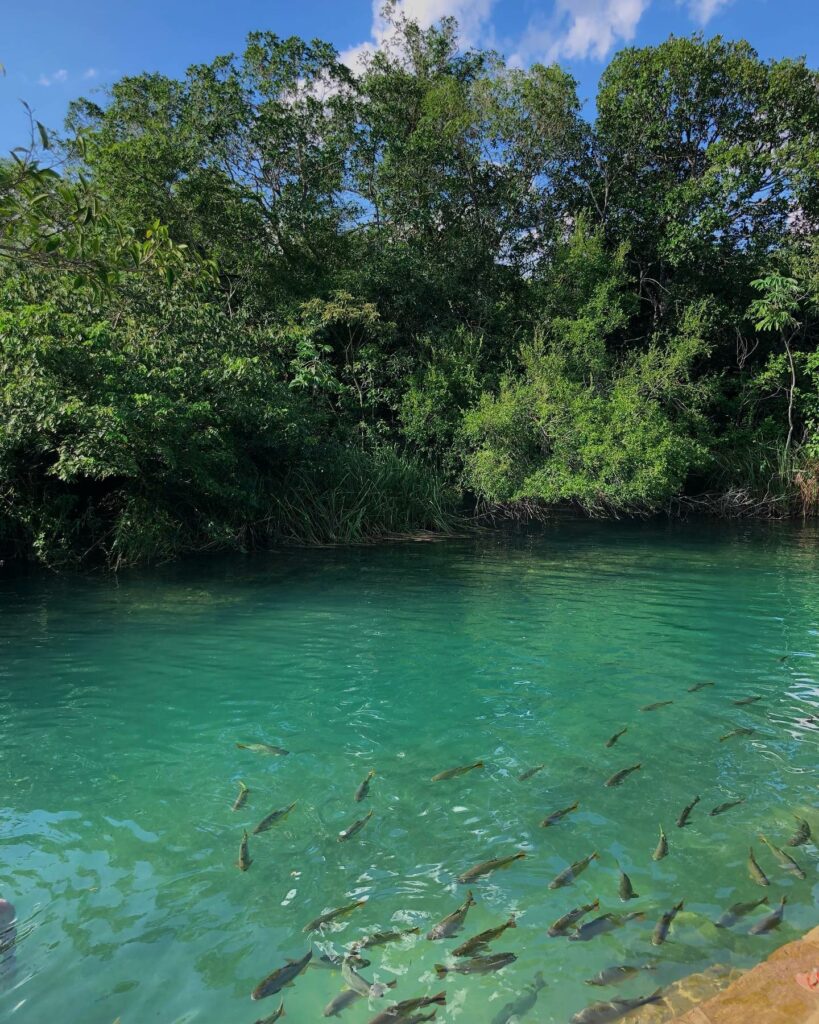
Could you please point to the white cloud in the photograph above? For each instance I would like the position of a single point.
(580, 29)
(472, 17)
(702, 11)
(575, 29)
(90, 73)
(57, 76)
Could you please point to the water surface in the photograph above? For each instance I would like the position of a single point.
(121, 701)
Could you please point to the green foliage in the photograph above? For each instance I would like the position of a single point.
(277, 299)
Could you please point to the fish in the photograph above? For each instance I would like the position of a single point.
(263, 748)
(604, 923)
(722, 808)
(606, 1012)
(338, 1004)
(530, 772)
(382, 938)
(785, 859)
(241, 799)
(482, 940)
(738, 910)
(333, 961)
(453, 773)
(626, 889)
(567, 876)
(662, 926)
(802, 833)
(613, 739)
(477, 965)
(784, 657)
(699, 686)
(555, 816)
(244, 861)
(364, 788)
(332, 915)
(618, 777)
(271, 819)
(486, 867)
(364, 988)
(356, 826)
(662, 847)
(274, 1016)
(519, 1007)
(402, 1010)
(615, 975)
(453, 922)
(685, 813)
(745, 700)
(755, 871)
(563, 924)
(656, 705)
(770, 921)
(736, 732)
(282, 976)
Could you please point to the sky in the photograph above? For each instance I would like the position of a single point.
(56, 50)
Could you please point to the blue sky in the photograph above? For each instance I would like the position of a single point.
(54, 50)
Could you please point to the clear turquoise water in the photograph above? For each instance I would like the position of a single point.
(121, 702)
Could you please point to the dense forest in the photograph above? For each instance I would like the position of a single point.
(280, 300)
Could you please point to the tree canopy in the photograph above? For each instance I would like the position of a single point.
(283, 299)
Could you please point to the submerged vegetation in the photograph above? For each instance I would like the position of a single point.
(284, 300)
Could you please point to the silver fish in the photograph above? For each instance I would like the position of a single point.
(568, 875)
(785, 859)
(281, 976)
(364, 788)
(244, 861)
(338, 1004)
(555, 816)
(274, 1016)
(402, 1010)
(241, 799)
(770, 921)
(613, 739)
(722, 808)
(453, 922)
(685, 813)
(332, 915)
(662, 847)
(481, 941)
(478, 964)
(605, 1013)
(563, 924)
(519, 1007)
(263, 748)
(270, 820)
(620, 776)
(486, 867)
(738, 910)
(453, 773)
(356, 826)
(802, 833)
(616, 975)
(603, 924)
(663, 925)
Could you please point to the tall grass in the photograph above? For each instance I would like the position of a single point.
(356, 496)
(760, 482)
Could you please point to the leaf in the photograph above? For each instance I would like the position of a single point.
(45, 142)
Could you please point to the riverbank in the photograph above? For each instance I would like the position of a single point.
(767, 994)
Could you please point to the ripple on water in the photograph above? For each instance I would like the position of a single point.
(121, 704)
